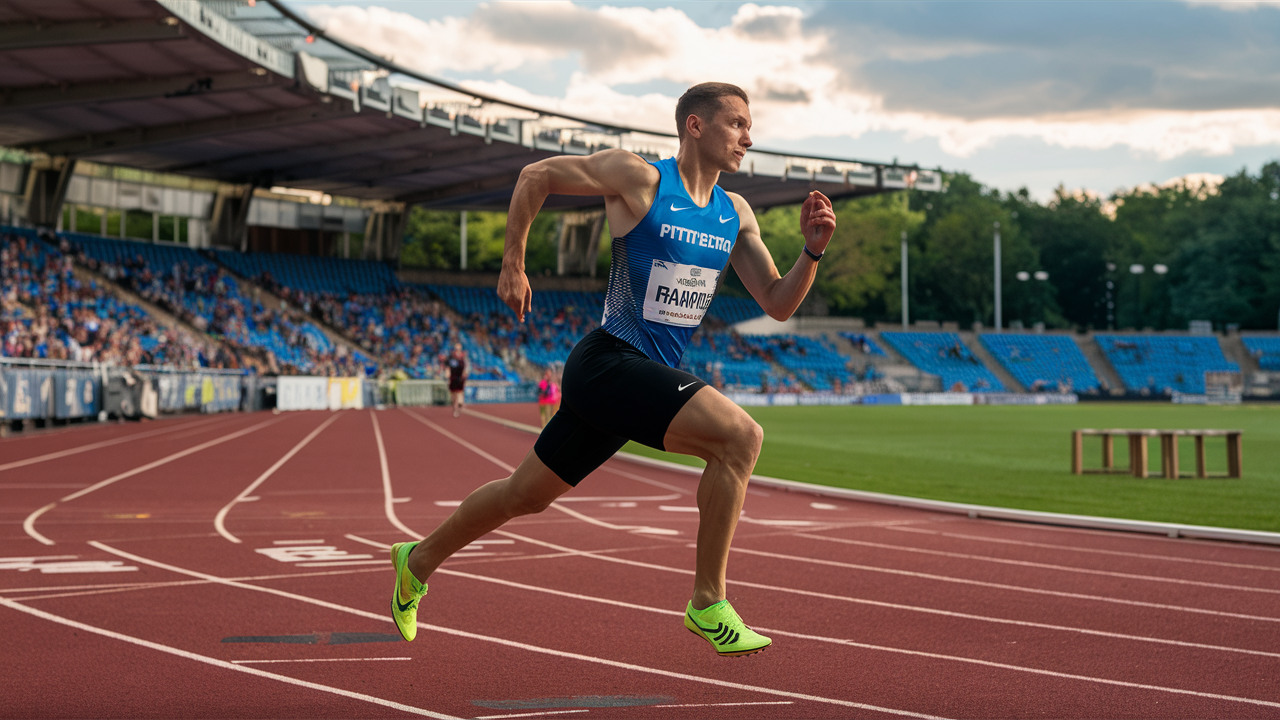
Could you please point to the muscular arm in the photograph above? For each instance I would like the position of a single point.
(627, 183)
(779, 295)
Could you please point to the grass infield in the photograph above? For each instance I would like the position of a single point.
(1020, 457)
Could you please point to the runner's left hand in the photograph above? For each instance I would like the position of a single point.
(817, 222)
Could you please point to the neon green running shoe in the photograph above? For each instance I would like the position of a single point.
(721, 626)
(408, 591)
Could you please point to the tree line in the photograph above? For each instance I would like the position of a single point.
(1218, 248)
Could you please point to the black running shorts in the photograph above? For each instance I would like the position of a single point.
(612, 393)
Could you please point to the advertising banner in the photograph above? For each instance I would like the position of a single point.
(170, 388)
(192, 391)
(30, 394)
(220, 393)
(4, 392)
(75, 394)
(302, 393)
(345, 393)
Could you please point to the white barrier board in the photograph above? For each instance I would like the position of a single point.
(302, 393)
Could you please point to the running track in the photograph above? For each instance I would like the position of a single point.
(234, 566)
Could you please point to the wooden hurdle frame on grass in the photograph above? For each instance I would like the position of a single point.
(1138, 462)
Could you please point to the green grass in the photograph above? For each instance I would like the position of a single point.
(1019, 457)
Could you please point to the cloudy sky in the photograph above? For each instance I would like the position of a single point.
(1091, 95)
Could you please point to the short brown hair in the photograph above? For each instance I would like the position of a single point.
(703, 100)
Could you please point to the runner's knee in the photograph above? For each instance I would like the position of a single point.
(520, 501)
(740, 440)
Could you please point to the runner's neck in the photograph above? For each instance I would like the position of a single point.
(698, 176)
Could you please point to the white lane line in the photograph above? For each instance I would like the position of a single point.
(343, 563)
(1099, 551)
(590, 499)
(297, 542)
(219, 520)
(311, 660)
(67, 590)
(529, 714)
(388, 499)
(733, 704)
(1003, 586)
(625, 457)
(29, 524)
(221, 663)
(635, 529)
(460, 441)
(1042, 566)
(94, 446)
(650, 481)
(506, 643)
(858, 601)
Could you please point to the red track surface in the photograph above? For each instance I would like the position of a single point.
(875, 610)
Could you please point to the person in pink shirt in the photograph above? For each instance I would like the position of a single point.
(548, 396)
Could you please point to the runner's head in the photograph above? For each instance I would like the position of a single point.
(457, 350)
(716, 118)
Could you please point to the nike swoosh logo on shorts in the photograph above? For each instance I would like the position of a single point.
(682, 387)
(725, 220)
(676, 209)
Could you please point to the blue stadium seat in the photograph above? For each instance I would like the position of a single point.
(731, 310)
(1164, 363)
(943, 354)
(864, 341)
(1266, 350)
(1042, 362)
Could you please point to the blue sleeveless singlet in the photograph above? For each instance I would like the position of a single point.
(665, 271)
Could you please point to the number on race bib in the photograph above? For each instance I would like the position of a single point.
(679, 294)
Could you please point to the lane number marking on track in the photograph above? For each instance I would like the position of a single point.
(287, 552)
(63, 564)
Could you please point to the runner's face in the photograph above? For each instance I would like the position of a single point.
(728, 135)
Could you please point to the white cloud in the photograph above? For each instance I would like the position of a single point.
(1236, 5)
(797, 93)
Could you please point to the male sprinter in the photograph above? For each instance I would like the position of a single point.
(674, 230)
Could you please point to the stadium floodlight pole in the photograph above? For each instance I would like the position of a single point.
(904, 281)
(462, 241)
(999, 324)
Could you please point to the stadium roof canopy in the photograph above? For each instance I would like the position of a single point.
(247, 92)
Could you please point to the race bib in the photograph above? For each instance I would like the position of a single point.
(679, 294)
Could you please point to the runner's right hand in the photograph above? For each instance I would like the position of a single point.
(513, 288)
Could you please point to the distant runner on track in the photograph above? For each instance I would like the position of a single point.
(675, 230)
(455, 366)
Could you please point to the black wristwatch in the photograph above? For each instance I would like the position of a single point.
(811, 254)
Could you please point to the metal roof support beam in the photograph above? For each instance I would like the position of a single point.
(38, 97)
(315, 155)
(461, 189)
(21, 36)
(138, 138)
(429, 162)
